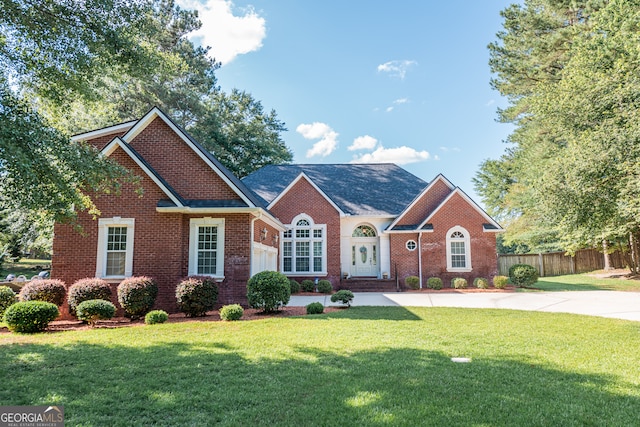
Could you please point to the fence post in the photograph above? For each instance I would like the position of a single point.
(541, 262)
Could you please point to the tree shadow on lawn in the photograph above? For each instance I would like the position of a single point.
(207, 383)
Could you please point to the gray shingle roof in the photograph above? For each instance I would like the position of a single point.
(357, 189)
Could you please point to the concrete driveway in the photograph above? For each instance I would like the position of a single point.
(618, 305)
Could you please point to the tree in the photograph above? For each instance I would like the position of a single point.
(240, 134)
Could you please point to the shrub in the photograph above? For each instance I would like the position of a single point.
(136, 295)
(196, 295)
(480, 283)
(325, 287)
(85, 290)
(434, 283)
(459, 283)
(231, 312)
(345, 296)
(523, 275)
(268, 291)
(30, 316)
(92, 310)
(295, 286)
(500, 282)
(308, 285)
(156, 316)
(7, 298)
(51, 290)
(412, 281)
(315, 308)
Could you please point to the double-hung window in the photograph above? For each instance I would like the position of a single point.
(304, 248)
(206, 247)
(115, 247)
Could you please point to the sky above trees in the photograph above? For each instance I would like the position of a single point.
(367, 81)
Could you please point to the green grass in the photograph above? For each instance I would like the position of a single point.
(585, 282)
(372, 366)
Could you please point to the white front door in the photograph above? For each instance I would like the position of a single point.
(366, 258)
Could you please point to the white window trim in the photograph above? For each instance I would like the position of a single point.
(194, 224)
(415, 245)
(467, 250)
(312, 226)
(101, 258)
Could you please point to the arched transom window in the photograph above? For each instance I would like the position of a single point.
(458, 250)
(304, 248)
(364, 231)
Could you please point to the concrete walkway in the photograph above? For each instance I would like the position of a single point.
(618, 305)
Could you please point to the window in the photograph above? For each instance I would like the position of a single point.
(206, 247)
(115, 247)
(458, 250)
(364, 231)
(304, 247)
(411, 245)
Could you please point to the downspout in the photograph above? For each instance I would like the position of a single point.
(420, 258)
(253, 226)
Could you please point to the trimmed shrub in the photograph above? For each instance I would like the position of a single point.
(308, 285)
(295, 286)
(325, 287)
(522, 275)
(268, 291)
(156, 316)
(434, 283)
(7, 298)
(50, 290)
(196, 295)
(231, 312)
(500, 282)
(30, 316)
(137, 295)
(412, 281)
(481, 283)
(85, 290)
(92, 310)
(345, 296)
(315, 308)
(459, 283)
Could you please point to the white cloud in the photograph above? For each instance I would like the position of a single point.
(389, 109)
(363, 143)
(227, 34)
(396, 68)
(401, 101)
(316, 130)
(490, 102)
(447, 149)
(400, 155)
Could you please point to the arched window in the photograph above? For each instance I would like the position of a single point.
(458, 250)
(364, 231)
(304, 247)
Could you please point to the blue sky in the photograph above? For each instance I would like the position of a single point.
(367, 81)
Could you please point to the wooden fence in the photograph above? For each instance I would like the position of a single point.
(557, 263)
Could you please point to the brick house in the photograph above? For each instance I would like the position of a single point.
(189, 215)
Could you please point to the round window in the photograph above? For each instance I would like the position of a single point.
(411, 245)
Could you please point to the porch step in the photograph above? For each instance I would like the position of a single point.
(369, 285)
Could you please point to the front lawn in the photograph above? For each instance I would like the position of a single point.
(585, 282)
(361, 366)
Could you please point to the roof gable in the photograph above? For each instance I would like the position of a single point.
(382, 189)
(148, 170)
(293, 183)
(424, 203)
(490, 225)
(211, 164)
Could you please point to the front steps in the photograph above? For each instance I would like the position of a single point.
(369, 284)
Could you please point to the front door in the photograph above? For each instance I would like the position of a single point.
(366, 259)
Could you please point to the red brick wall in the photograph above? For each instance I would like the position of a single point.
(179, 165)
(100, 142)
(304, 198)
(403, 261)
(160, 242)
(484, 259)
(426, 204)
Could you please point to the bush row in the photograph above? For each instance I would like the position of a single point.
(499, 282)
